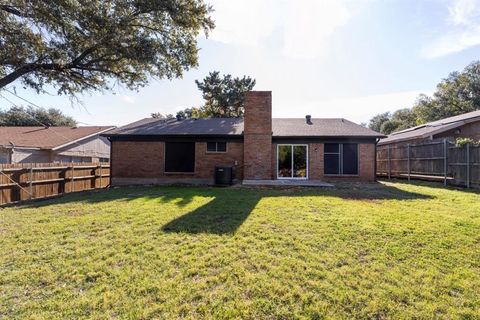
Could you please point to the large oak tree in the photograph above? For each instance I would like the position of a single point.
(90, 45)
(457, 94)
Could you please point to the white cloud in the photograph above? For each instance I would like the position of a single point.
(463, 24)
(309, 26)
(462, 12)
(357, 109)
(305, 26)
(128, 99)
(243, 22)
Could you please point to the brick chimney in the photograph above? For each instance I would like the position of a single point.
(257, 135)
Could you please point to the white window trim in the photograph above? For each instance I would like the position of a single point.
(293, 178)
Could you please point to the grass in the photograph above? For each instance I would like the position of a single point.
(381, 251)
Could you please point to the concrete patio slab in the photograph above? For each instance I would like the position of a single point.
(287, 182)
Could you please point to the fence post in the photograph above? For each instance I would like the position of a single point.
(30, 182)
(72, 188)
(445, 161)
(1, 193)
(101, 181)
(468, 165)
(389, 163)
(408, 161)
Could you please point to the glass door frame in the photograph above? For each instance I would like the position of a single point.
(292, 145)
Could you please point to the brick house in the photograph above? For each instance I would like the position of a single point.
(466, 125)
(156, 151)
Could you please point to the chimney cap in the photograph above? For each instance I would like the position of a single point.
(308, 119)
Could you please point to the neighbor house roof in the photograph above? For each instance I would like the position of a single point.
(47, 138)
(432, 128)
(234, 126)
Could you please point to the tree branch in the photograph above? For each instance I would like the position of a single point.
(9, 78)
(10, 9)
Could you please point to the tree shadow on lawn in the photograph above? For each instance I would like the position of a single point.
(227, 208)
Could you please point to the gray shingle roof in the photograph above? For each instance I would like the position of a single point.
(320, 127)
(234, 126)
(432, 128)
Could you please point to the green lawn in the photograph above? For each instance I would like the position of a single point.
(381, 251)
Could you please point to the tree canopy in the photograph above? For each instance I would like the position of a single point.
(224, 96)
(34, 117)
(78, 46)
(158, 115)
(457, 94)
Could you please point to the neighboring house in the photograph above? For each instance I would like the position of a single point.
(156, 151)
(466, 125)
(54, 144)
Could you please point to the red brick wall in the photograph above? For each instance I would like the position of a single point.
(205, 162)
(367, 162)
(137, 159)
(144, 162)
(258, 135)
(315, 163)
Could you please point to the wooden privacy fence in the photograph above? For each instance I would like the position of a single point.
(436, 160)
(25, 181)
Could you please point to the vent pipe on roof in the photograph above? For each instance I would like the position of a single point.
(308, 119)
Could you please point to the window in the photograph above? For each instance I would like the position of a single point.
(216, 147)
(292, 161)
(350, 158)
(180, 157)
(341, 158)
(331, 158)
(104, 159)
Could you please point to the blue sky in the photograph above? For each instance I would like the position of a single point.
(328, 58)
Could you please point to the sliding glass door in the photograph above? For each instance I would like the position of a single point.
(292, 161)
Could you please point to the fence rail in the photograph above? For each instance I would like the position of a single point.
(26, 181)
(438, 161)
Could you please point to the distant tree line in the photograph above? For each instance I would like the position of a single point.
(34, 117)
(458, 93)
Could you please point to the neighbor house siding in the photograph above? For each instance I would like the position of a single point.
(92, 148)
(4, 155)
(470, 130)
(30, 156)
(143, 162)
